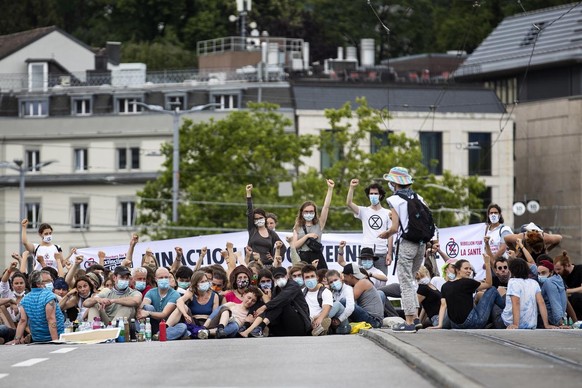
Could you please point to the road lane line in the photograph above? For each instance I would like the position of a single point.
(64, 350)
(2, 375)
(30, 362)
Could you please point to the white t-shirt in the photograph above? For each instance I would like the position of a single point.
(526, 290)
(48, 252)
(373, 223)
(401, 207)
(311, 299)
(496, 238)
(347, 293)
(377, 283)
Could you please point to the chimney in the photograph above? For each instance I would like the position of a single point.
(340, 53)
(367, 52)
(113, 50)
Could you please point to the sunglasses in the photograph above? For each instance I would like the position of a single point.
(500, 268)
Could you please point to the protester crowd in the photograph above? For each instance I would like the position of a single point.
(257, 296)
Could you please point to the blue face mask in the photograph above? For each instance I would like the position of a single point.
(164, 284)
(311, 283)
(374, 199)
(266, 286)
(49, 286)
(542, 279)
(140, 286)
(204, 286)
(367, 264)
(451, 276)
(184, 285)
(299, 281)
(122, 284)
(337, 285)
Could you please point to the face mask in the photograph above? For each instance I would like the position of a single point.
(308, 216)
(140, 286)
(19, 294)
(164, 284)
(424, 281)
(242, 284)
(374, 199)
(49, 286)
(281, 282)
(391, 187)
(260, 222)
(266, 286)
(216, 288)
(337, 285)
(204, 286)
(183, 285)
(494, 218)
(311, 283)
(47, 239)
(299, 281)
(367, 264)
(451, 276)
(542, 279)
(122, 284)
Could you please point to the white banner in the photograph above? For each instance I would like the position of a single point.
(457, 242)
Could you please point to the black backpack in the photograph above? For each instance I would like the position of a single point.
(319, 294)
(421, 226)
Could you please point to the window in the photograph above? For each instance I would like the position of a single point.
(33, 214)
(125, 105)
(81, 159)
(38, 76)
(127, 213)
(379, 140)
(332, 153)
(431, 145)
(128, 158)
(479, 153)
(80, 215)
(81, 106)
(34, 107)
(227, 101)
(176, 101)
(32, 160)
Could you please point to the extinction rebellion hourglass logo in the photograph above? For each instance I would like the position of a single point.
(452, 248)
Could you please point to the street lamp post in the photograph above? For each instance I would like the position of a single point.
(18, 165)
(176, 114)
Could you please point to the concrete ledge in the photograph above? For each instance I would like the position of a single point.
(434, 369)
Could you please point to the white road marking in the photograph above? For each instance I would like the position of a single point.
(64, 350)
(2, 375)
(30, 362)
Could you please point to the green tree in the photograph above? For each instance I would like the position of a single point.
(218, 158)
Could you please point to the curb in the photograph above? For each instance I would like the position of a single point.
(435, 370)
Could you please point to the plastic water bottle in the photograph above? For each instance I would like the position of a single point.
(121, 337)
(68, 326)
(96, 323)
(148, 330)
(162, 333)
(577, 325)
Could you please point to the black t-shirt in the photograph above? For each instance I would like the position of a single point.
(432, 300)
(574, 279)
(459, 297)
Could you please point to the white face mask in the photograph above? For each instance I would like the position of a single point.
(494, 218)
(308, 216)
(281, 282)
(391, 187)
(260, 222)
(47, 239)
(424, 281)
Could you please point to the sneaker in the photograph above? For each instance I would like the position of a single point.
(390, 322)
(418, 324)
(266, 331)
(322, 329)
(257, 333)
(203, 334)
(404, 328)
(220, 333)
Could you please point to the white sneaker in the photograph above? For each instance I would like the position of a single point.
(390, 322)
(203, 334)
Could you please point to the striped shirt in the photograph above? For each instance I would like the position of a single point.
(34, 305)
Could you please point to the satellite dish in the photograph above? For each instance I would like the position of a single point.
(232, 18)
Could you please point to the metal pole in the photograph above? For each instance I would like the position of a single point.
(243, 24)
(22, 172)
(176, 167)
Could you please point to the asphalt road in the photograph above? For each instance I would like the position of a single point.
(378, 358)
(328, 361)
